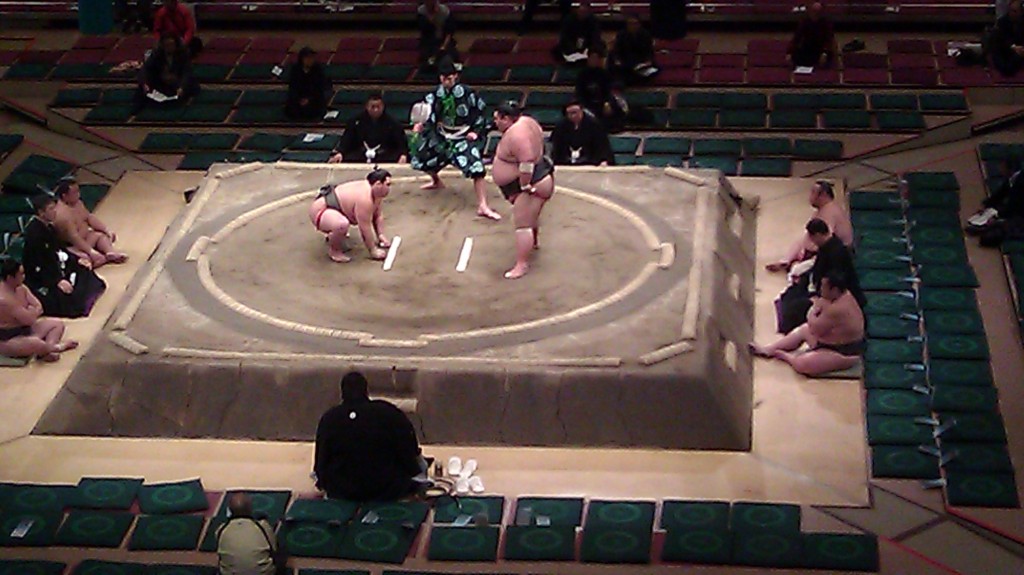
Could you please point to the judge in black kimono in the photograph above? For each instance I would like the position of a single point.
(63, 283)
(373, 137)
(308, 88)
(579, 140)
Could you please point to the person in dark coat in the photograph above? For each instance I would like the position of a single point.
(1007, 41)
(579, 140)
(373, 136)
(580, 35)
(814, 42)
(308, 88)
(167, 74)
(437, 33)
(366, 450)
(632, 57)
(595, 90)
(63, 283)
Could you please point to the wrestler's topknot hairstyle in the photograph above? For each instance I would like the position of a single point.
(826, 186)
(8, 267)
(40, 201)
(817, 227)
(64, 185)
(378, 174)
(510, 109)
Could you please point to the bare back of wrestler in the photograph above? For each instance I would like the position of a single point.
(525, 177)
(357, 203)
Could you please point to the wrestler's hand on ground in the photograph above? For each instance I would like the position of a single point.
(378, 254)
(472, 137)
(335, 159)
(65, 286)
(383, 242)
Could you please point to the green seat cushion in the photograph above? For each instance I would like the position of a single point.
(532, 543)
(33, 497)
(222, 97)
(797, 101)
(897, 430)
(27, 183)
(693, 118)
(484, 74)
(974, 428)
(885, 279)
(253, 72)
(311, 539)
(697, 99)
(843, 101)
(616, 544)
(962, 322)
(660, 160)
(94, 528)
(463, 544)
(767, 147)
(21, 567)
(266, 142)
(948, 276)
(202, 160)
(345, 72)
(894, 101)
(936, 235)
(891, 221)
(160, 114)
(725, 164)
(967, 489)
(214, 141)
(492, 97)
(647, 99)
(875, 201)
(96, 567)
(77, 98)
(541, 99)
(744, 100)
(944, 217)
(894, 351)
(903, 462)
(893, 327)
(993, 152)
(546, 116)
(841, 551)
(707, 545)
(784, 119)
(266, 504)
(898, 121)
(166, 532)
(934, 198)
(46, 165)
(846, 119)
(666, 145)
(27, 72)
(976, 457)
(206, 113)
(626, 160)
(182, 570)
(79, 71)
(959, 372)
(388, 73)
(943, 102)
(96, 493)
(112, 96)
(558, 510)
(882, 259)
(964, 398)
(308, 156)
(717, 147)
(682, 515)
(165, 142)
(93, 194)
(742, 118)
(380, 542)
(8, 142)
(766, 549)
(397, 512)
(768, 167)
(354, 97)
(903, 402)
(210, 72)
(620, 513)
(765, 517)
(175, 497)
(818, 149)
(890, 239)
(263, 98)
(957, 346)
(447, 511)
(947, 299)
(13, 223)
(327, 142)
(531, 74)
(259, 115)
(41, 532)
(879, 375)
(624, 144)
(932, 180)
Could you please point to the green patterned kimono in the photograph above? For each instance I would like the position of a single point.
(442, 142)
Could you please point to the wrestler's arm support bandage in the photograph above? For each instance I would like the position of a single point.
(526, 169)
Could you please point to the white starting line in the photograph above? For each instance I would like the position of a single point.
(467, 249)
(392, 253)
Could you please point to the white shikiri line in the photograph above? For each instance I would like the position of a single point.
(392, 253)
(467, 249)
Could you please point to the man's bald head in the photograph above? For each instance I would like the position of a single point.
(240, 505)
(814, 9)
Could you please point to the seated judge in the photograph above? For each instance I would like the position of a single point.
(579, 140)
(373, 136)
(64, 283)
(308, 88)
(814, 42)
(167, 75)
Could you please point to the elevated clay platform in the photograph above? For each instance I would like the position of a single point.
(627, 331)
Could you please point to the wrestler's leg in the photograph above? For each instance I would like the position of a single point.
(788, 342)
(105, 246)
(27, 346)
(335, 225)
(430, 159)
(543, 189)
(49, 331)
(818, 361)
(525, 212)
(483, 209)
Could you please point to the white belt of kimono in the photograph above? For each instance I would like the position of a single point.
(453, 133)
(371, 153)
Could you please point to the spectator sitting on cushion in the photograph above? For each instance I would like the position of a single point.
(308, 88)
(167, 75)
(814, 42)
(579, 36)
(245, 544)
(632, 57)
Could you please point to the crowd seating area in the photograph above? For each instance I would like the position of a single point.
(991, 157)
(508, 60)
(932, 409)
(127, 514)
